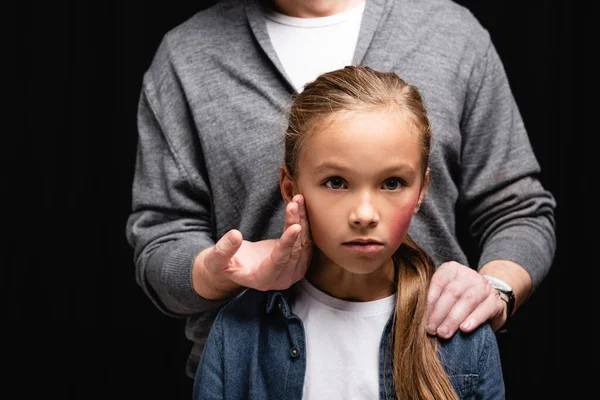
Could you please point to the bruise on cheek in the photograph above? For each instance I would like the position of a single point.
(401, 221)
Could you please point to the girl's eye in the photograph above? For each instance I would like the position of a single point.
(335, 183)
(392, 184)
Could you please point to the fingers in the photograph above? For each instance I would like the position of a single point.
(492, 309)
(283, 264)
(454, 304)
(274, 265)
(441, 278)
(459, 298)
(304, 242)
(302, 215)
(291, 216)
(224, 250)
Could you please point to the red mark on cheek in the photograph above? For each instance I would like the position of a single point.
(400, 223)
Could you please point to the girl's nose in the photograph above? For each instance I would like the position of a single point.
(365, 213)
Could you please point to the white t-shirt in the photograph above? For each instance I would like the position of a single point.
(308, 47)
(342, 343)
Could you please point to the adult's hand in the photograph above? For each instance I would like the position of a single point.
(234, 263)
(461, 298)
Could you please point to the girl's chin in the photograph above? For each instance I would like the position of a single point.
(362, 261)
(364, 266)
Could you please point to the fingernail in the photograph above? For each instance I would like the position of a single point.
(443, 330)
(231, 239)
(431, 328)
(467, 325)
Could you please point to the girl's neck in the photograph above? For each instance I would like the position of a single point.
(313, 8)
(338, 282)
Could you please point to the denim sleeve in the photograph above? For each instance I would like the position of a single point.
(491, 381)
(208, 382)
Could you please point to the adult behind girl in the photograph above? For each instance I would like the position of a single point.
(357, 149)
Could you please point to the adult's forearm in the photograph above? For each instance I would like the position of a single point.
(165, 275)
(529, 243)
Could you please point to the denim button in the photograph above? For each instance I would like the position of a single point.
(295, 352)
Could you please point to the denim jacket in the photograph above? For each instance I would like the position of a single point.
(256, 350)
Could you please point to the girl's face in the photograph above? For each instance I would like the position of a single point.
(361, 180)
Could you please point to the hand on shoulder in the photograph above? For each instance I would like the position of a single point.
(461, 298)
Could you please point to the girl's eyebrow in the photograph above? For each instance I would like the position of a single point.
(400, 167)
(404, 168)
(328, 165)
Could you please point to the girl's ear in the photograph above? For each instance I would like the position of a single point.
(287, 185)
(423, 189)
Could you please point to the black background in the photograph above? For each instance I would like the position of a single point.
(77, 326)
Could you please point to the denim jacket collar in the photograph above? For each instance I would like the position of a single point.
(277, 300)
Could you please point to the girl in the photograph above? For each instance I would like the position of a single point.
(356, 152)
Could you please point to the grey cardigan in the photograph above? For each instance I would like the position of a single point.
(211, 118)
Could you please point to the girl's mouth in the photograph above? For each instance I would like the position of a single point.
(363, 247)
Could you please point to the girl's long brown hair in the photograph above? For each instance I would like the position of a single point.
(417, 371)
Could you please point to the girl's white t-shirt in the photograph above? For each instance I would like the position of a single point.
(308, 47)
(343, 341)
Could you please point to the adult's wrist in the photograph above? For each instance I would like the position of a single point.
(514, 275)
(506, 294)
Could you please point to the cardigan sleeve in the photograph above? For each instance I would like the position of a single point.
(508, 211)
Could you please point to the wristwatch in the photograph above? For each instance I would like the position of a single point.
(506, 293)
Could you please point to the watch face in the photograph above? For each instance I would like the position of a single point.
(498, 283)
